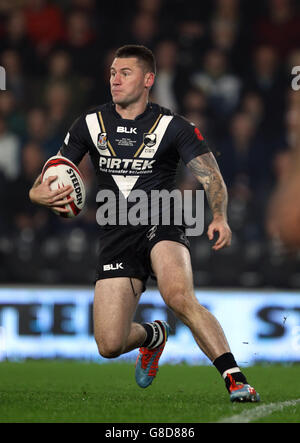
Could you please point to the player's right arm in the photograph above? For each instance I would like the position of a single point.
(74, 148)
(41, 194)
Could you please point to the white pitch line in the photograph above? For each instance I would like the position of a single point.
(259, 412)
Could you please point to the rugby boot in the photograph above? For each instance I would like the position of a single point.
(146, 366)
(240, 392)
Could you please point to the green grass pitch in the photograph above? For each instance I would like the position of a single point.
(80, 392)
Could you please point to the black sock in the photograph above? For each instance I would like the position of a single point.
(155, 335)
(149, 332)
(226, 364)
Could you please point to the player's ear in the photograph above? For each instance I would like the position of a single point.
(149, 79)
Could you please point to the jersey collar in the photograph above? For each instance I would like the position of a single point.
(138, 117)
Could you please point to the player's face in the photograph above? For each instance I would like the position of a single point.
(128, 81)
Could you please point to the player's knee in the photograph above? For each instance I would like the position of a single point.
(109, 349)
(109, 352)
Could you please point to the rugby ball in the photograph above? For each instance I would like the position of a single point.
(67, 174)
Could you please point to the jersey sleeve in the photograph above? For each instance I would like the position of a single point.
(76, 142)
(189, 141)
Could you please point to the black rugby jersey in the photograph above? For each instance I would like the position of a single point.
(133, 154)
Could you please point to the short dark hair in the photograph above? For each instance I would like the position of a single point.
(143, 54)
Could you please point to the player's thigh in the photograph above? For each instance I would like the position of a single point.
(171, 263)
(115, 303)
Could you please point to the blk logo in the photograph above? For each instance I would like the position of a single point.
(112, 267)
(125, 130)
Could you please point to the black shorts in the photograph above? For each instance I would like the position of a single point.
(125, 251)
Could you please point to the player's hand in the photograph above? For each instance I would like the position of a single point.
(54, 199)
(220, 226)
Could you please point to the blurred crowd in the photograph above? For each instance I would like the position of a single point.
(223, 64)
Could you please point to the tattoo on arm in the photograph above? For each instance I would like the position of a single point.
(206, 170)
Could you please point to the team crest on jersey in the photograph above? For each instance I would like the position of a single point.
(102, 140)
(149, 140)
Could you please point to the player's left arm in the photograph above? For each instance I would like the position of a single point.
(206, 170)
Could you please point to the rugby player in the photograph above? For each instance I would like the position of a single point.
(116, 135)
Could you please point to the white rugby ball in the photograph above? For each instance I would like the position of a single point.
(67, 174)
